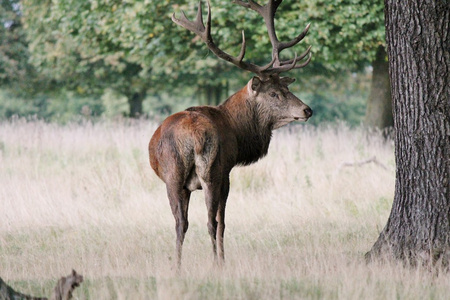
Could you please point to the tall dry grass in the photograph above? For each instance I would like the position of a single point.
(298, 221)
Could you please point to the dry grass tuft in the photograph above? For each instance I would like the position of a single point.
(298, 223)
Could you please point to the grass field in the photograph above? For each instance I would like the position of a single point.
(298, 222)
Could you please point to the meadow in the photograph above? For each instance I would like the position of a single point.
(299, 221)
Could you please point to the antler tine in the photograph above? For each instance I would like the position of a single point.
(296, 40)
(242, 53)
(283, 68)
(304, 64)
(294, 62)
(263, 69)
(250, 4)
(196, 27)
(199, 18)
(208, 23)
(277, 3)
(299, 58)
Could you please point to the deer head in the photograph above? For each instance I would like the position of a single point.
(275, 104)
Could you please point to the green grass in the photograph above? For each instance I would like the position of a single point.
(298, 222)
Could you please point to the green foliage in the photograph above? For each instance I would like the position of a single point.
(62, 107)
(15, 71)
(98, 43)
(114, 104)
(331, 100)
(338, 99)
(135, 43)
(329, 109)
(344, 33)
(120, 48)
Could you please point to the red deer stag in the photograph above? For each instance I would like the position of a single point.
(197, 148)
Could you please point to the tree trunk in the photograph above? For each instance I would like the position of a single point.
(213, 94)
(418, 229)
(135, 100)
(218, 94)
(379, 104)
(208, 94)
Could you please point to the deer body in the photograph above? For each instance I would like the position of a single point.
(197, 148)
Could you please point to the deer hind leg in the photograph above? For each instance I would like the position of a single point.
(209, 173)
(179, 203)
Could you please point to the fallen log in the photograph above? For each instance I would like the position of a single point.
(63, 290)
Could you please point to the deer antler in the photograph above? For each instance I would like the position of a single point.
(267, 11)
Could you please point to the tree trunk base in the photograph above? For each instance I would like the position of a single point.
(434, 258)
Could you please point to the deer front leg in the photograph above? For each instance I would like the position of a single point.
(220, 217)
(179, 203)
(215, 198)
(212, 203)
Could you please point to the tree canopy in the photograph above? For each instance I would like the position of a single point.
(73, 37)
(346, 33)
(134, 48)
(15, 71)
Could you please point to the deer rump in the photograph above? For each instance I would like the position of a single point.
(190, 147)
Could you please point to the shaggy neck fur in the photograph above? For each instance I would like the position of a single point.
(251, 124)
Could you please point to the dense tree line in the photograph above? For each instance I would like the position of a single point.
(133, 48)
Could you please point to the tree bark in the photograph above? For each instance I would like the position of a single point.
(379, 104)
(418, 228)
(135, 100)
(213, 94)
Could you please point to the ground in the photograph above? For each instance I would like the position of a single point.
(299, 222)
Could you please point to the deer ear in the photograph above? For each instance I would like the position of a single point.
(254, 85)
(286, 80)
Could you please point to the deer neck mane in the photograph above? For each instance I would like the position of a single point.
(253, 129)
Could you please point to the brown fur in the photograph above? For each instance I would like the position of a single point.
(197, 148)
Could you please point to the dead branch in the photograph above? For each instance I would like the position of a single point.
(8, 293)
(361, 163)
(62, 291)
(66, 285)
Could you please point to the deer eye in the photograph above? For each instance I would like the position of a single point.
(273, 95)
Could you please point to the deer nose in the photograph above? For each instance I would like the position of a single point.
(308, 112)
